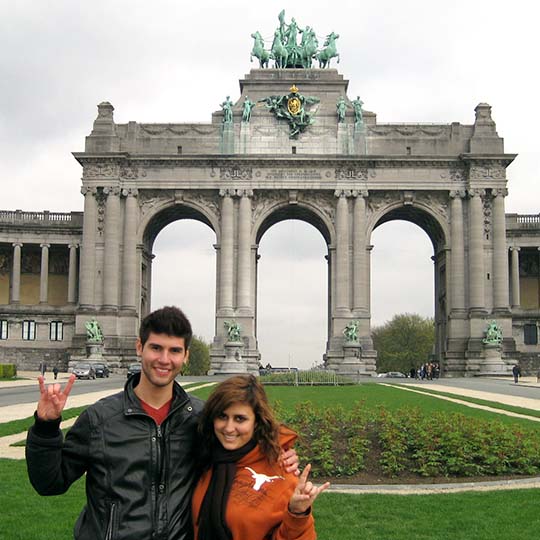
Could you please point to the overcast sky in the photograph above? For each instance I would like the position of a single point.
(175, 61)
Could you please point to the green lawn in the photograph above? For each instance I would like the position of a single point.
(374, 395)
(499, 515)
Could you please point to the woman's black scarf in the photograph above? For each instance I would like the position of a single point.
(212, 524)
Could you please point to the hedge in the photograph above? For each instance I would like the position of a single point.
(8, 371)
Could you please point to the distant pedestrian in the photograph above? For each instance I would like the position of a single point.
(516, 371)
(42, 368)
(413, 373)
(55, 372)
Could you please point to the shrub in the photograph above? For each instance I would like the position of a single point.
(8, 371)
(338, 442)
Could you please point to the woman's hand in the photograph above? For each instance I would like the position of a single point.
(305, 493)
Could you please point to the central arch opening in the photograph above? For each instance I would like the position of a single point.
(184, 273)
(292, 301)
(408, 269)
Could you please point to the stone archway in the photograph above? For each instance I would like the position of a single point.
(429, 213)
(346, 175)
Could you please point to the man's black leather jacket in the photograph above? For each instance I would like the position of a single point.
(139, 476)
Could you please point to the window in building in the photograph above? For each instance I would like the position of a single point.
(3, 329)
(56, 331)
(530, 334)
(29, 330)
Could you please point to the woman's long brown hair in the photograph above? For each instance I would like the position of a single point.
(245, 389)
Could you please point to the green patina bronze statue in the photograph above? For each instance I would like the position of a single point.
(288, 53)
(93, 331)
(341, 107)
(246, 109)
(226, 107)
(351, 331)
(358, 112)
(233, 331)
(292, 108)
(259, 51)
(493, 334)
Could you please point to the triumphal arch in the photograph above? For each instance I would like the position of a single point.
(294, 145)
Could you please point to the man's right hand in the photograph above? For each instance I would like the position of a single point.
(52, 398)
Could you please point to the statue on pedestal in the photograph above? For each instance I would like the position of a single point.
(351, 331)
(493, 334)
(233, 331)
(226, 107)
(93, 331)
(341, 108)
(358, 112)
(246, 110)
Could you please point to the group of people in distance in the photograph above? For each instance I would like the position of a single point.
(428, 370)
(161, 464)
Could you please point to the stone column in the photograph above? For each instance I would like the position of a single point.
(244, 252)
(111, 255)
(476, 251)
(501, 299)
(516, 300)
(360, 302)
(457, 254)
(87, 262)
(72, 274)
(16, 274)
(44, 275)
(226, 252)
(342, 254)
(369, 249)
(129, 261)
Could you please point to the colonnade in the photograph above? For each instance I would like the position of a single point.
(44, 273)
(476, 253)
(117, 232)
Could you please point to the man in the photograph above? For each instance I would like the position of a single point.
(516, 372)
(137, 447)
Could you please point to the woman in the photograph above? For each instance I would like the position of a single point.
(244, 493)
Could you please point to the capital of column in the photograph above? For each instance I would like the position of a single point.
(235, 192)
(476, 192)
(86, 190)
(457, 194)
(130, 192)
(73, 245)
(339, 193)
(44, 245)
(516, 248)
(227, 192)
(499, 192)
(17, 244)
(359, 193)
(111, 190)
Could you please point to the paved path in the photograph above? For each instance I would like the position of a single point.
(474, 405)
(27, 409)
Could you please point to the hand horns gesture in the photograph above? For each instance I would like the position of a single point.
(305, 493)
(52, 398)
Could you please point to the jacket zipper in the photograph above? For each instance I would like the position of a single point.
(110, 526)
(157, 476)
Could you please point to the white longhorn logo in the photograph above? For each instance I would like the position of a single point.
(260, 479)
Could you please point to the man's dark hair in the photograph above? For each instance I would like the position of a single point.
(168, 320)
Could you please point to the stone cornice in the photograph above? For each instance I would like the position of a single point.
(131, 161)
